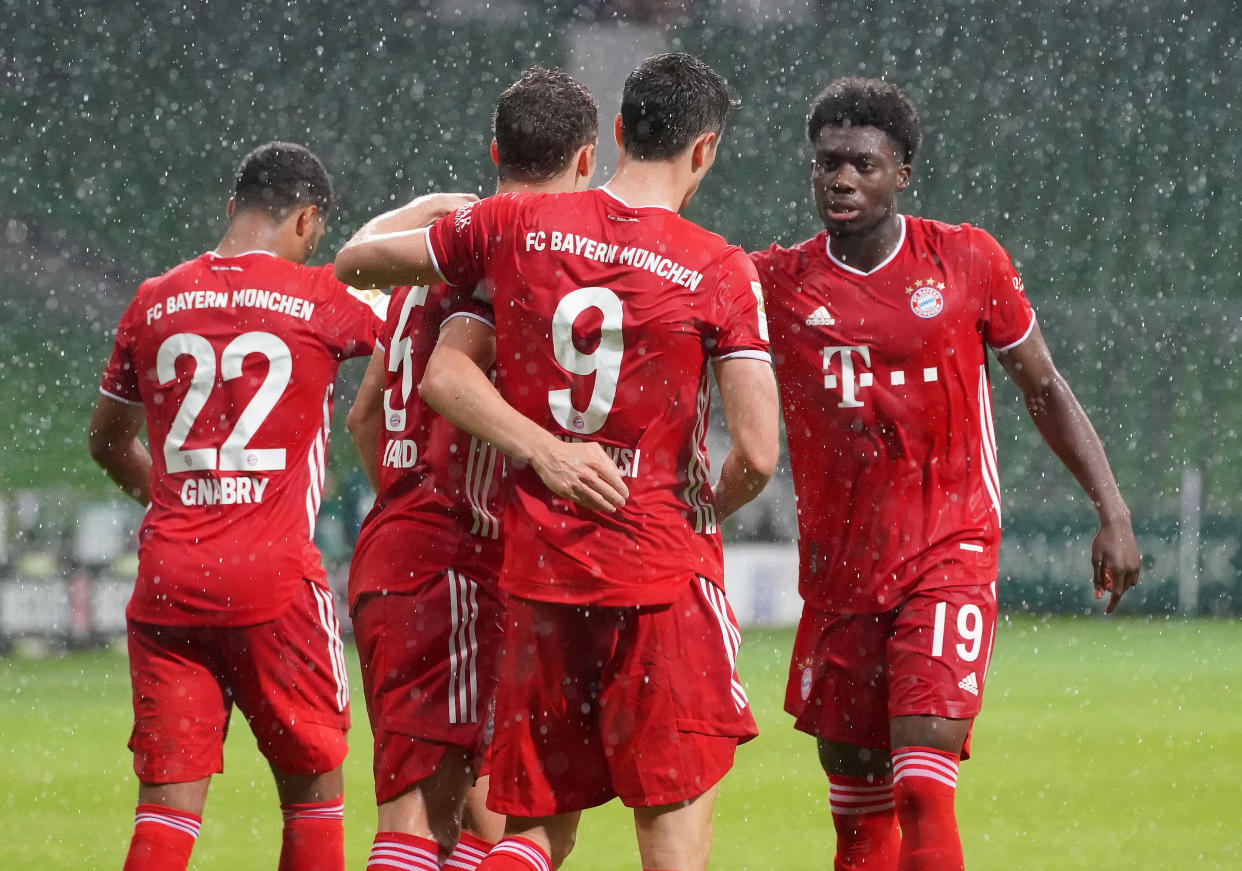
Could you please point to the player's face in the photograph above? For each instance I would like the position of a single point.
(856, 173)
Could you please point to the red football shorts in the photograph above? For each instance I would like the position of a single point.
(429, 675)
(595, 702)
(287, 676)
(850, 674)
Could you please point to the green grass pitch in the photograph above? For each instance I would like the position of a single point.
(1103, 744)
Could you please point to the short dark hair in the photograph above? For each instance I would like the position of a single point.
(541, 120)
(854, 101)
(668, 101)
(279, 177)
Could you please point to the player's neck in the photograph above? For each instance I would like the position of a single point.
(866, 251)
(253, 232)
(641, 183)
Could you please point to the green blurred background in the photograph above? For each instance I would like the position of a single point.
(1098, 141)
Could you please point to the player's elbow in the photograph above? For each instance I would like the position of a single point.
(356, 420)
(758, 459)
(436, 386)
(102, 447)
(350, 267)
(761, 464)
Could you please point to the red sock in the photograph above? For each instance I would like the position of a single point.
(516, 854)
(924, 783)
(866, 823)
(314, 836)
(397, 851)
(468, 853)
(163, 838)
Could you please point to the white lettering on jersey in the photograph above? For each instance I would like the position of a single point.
(593, 249)
(848, 384)
(627, 459)
(223, 491)
(401, 454)
(272, 300)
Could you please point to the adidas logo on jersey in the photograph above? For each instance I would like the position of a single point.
(820, 318)
(970, 684)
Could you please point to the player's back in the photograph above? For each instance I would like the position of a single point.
(438, 500)
(234, 360)
(606, 317)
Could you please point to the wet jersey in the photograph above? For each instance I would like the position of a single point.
(437, 505)
(606, 317)
(233, 359)
(887, 403)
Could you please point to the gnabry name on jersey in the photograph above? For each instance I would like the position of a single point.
(591, 249)
(223, 491)
(250, 297)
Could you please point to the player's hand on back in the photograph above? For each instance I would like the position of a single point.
(1115, 561)
(581, 472)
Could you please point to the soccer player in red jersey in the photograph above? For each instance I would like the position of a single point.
(617, 674)
(423, 589)
(230, 359)
(880, 326)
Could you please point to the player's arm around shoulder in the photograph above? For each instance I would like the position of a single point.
(1067, 430)
(391, 249)
(112, 439)
(455, 384)
(749, 398)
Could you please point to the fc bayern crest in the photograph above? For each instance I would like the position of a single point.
(805, 689)
(926, 301)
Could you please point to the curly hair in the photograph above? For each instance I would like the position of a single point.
(279, 177)
(854, 101)
(541, 120)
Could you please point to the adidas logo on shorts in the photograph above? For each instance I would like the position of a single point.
(970, 684)
(820, 318)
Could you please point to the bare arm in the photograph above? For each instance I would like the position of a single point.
(456, 386)
(114, 445)
(391, 249)
(366, 418)
(748, 391)
(1066, 429)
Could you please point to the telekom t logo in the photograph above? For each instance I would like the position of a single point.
(848, 383)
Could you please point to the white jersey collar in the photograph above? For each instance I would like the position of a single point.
(604, 190)
(243, 254)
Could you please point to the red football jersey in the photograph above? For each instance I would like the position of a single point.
(437, 505)
(606, 316)
(234, 361)
(887, 403)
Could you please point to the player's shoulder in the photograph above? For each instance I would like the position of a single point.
(964, 237)
(792, 259)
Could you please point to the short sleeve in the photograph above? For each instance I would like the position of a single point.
(120, 377)
(354, 318)
(763, 261)
(1009, 317)
(467, 302)
(460, 242)
(737, 325)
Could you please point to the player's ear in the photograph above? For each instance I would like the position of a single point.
(495, 149)
(586, 163)
(306, 220)
(228, 210)
(616, 129)
(903, 177)
(703, 152)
